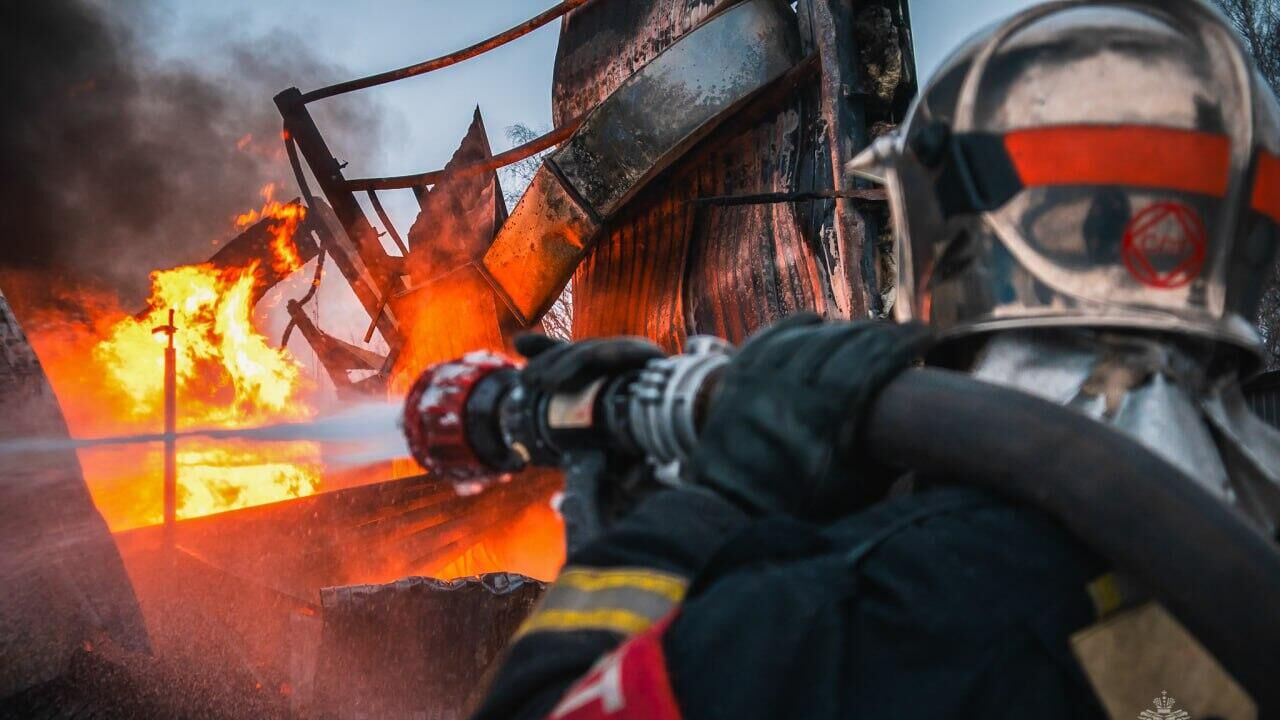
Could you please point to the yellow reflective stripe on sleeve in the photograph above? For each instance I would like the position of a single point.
(670, 587)
(608, 619)
(621, 600)
(1106, 595)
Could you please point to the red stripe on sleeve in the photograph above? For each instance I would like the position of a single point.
(631, 683)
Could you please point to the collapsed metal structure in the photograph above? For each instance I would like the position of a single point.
(461, 202)
(752, 196)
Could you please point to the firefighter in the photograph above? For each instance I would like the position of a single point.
(1083, 196)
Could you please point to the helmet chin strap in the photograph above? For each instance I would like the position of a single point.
(1158, 394)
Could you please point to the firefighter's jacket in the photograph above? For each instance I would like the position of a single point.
(945, 603)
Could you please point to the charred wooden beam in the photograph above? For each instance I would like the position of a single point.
(354, 244)
(364, 534)
(338, 357)
(846, 129)
(254, 246)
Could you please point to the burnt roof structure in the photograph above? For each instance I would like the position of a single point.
(748, 218)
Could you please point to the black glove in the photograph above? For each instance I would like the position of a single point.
(557, 366)
(600, 486)
(784, 430)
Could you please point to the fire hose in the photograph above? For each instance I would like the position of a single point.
(1212, 570)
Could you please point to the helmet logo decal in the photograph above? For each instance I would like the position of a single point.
(1164, 246)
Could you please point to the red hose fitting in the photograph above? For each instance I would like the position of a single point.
(435, 415)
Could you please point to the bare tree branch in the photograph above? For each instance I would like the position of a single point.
(517, 176)
(558, 322)
(1258, 22)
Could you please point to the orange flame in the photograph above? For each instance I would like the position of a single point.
(107, 368)
(221, 357)
(228, 375)
(287, 218)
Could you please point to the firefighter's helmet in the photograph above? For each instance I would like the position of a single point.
(1098, 163)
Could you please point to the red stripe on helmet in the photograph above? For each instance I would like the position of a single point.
(1266, 188)
(1137, 156)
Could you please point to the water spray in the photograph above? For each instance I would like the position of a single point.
(361, 434)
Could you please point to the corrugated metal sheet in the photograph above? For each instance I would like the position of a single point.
(666, 267)
(1264, 397)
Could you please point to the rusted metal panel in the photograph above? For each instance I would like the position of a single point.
(450, 307)
(631, 282)
(604, 43)
(666, 271)
(673, 101)
(418, 647)
(547, 236)
(62, 579)
(669, 269)
(254, 245)
(459, 215)
(450, 316)
(752, 264)
(652, 119)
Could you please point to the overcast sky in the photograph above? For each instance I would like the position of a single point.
(511, 85)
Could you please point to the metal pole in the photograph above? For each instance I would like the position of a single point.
(479, 48)
(170, 433)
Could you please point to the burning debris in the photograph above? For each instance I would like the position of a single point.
(119, 163)
(108, 372)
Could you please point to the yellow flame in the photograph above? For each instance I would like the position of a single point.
(228, 375)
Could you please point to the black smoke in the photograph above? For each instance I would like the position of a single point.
(117, 161)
